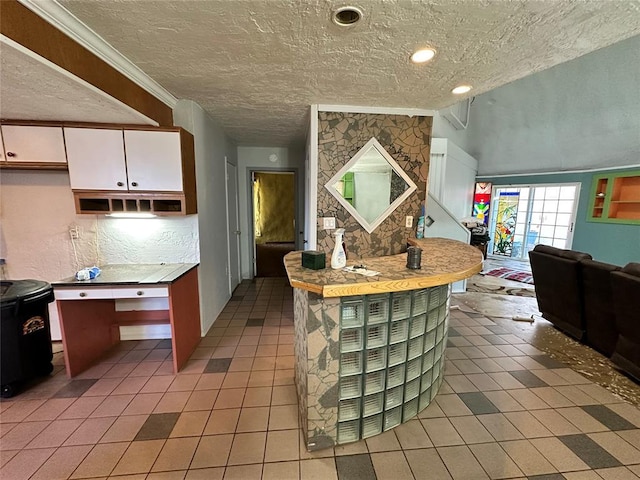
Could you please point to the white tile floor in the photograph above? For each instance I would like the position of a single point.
(505, 410)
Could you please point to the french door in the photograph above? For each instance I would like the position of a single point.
(526, 215)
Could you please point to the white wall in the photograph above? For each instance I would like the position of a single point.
(211, 147)
(256, 158)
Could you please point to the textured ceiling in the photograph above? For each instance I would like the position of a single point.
(33, 90)
(256, 65)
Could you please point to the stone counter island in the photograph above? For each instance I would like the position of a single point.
(369, 350)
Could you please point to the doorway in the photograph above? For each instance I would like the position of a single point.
(273, 195)
(527, 215)
(233, 226)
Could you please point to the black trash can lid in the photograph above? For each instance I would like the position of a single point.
(12, 290)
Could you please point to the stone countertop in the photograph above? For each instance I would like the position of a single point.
(132, 274)
(444, 261)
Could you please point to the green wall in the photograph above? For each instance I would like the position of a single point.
(606, 242)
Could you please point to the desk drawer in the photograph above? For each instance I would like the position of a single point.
(82, 293)
(140, 292)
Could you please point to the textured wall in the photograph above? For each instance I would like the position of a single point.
(340, 136)
(275, 207)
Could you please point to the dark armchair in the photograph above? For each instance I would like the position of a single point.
(557, 275)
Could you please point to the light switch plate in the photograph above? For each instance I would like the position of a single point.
(329, 223)
(408, 221)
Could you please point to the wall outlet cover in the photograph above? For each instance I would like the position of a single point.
(328, 223)
(408, 221)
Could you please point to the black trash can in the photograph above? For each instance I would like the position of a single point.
(25, 334)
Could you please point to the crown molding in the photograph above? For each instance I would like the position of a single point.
(55, 14)
(410, 112)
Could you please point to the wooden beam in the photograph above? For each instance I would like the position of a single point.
(23, 26)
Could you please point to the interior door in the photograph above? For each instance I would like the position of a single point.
(233, 229)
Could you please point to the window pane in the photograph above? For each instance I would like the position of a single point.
(547, 231)
(563, 219)
(565, 206)
(561, 232)
(567, 193)
(550, 206)
(560, 243)
(519, 229)
(537, 206)
(536, 218)
(552, 193)
(549, 218)
(546, 241)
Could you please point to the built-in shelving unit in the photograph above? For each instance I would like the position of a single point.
(99, 202)
(615, 198)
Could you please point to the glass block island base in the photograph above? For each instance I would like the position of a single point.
(372, 359)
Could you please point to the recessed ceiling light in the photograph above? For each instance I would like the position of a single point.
(422, 56)
(346, 16)
(459, 90)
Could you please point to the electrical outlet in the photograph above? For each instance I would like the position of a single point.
(408, 221)
(329, 223)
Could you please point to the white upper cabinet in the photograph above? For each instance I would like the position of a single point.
(154, 160)
(96, 159)
(33, 144)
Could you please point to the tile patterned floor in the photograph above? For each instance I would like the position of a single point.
(506, 410)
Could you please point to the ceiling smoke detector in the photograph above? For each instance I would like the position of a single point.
(346, 16)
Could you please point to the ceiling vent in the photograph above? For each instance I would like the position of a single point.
(346, 16)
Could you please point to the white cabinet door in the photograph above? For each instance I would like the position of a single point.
(31, 144)
(153, 160)
(96, 159)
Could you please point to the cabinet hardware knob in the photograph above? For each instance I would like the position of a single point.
(11, 154)
(82, 294)
(120, 184)
(139, 293)
(134, 184)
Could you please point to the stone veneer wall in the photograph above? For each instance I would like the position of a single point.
(407, 140)
(317, 352)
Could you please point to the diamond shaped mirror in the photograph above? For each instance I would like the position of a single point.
(371, 185)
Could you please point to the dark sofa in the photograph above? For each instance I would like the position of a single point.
(594, 302)
(626, 296)
(557, 276)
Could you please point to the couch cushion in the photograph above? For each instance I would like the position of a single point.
(632, 269)
(599, 314)
(559, 252)
(626, 298)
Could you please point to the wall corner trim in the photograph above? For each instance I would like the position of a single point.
(55, 14)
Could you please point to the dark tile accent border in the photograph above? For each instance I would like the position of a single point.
(355, 467)
(589, 451)
(548, 361)
(75, 388)
(495, 339)
(218, 365)
(608, 417)
(157, 427)
(478, 403)
(528, 379)
(548, 476)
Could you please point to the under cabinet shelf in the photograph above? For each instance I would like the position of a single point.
(88, 202)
